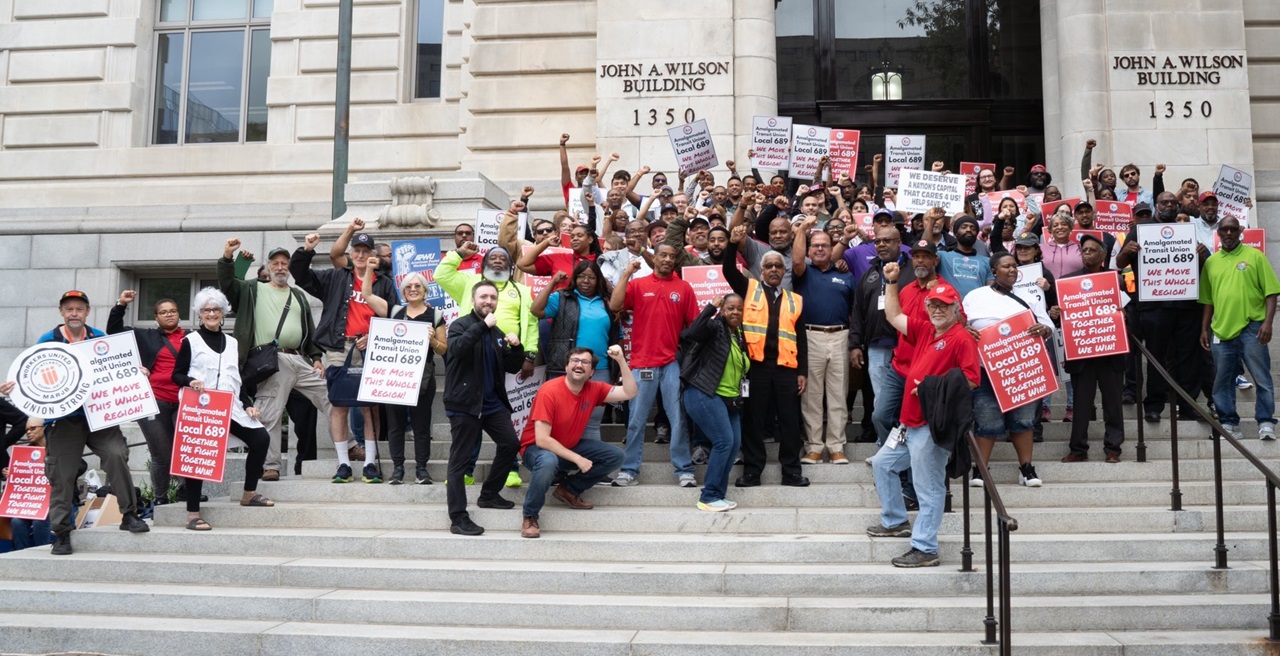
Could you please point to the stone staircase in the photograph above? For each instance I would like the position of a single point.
(1100, 566)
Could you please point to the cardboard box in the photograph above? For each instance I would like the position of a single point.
(99, 511)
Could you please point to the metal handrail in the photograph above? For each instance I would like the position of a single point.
(1005, 524)
(1272, 480)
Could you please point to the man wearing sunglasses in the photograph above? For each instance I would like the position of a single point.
(461, 235)
(1132, 189)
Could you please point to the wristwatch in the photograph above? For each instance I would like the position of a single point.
(531, 356)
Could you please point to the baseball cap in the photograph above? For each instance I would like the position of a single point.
(74, 295)
(669, 208)
(1027, 239)
(362, 239)
(1085, 236)
(1084, 204)
(893, 218)
(1039, 168)
(925, 246)
(1141, 208)
(580, 169)
(654, 226)
(277, 251)
(700, 219)
(945, 293)
(1207, 195)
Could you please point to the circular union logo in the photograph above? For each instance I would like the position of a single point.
(1242, 266)
(204, 399)
(100, 347)
(1086, 285)
(773, 122)
(713, 275)
(1237, 176)
(400, 330)
(35, 456)
(52, 377)
(906, 141)
(813, 132)
(1020, 274)
(675, 297)
(1004, 330)
(688, 130)
(1114, 207)
(1166, 232)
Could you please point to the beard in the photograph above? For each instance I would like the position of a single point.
(280, 278)
(967, 240)
(497, 276)
(922, 273)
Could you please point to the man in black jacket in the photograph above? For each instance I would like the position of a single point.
(475, 399)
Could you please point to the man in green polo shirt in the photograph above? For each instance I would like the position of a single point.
(1238, 289)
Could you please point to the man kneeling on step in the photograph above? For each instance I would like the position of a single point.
(552, 440)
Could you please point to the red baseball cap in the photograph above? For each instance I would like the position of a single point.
(1039, 168)
(945, 293)
(1207, 195)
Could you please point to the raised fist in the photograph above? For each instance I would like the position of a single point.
(564, 138)
(729, 165)
(891, 272)
(1160, 168)
(357, 225)
(311, 241)
(614, 352)
(739, 233)
(127, 296)
(1091, 144)
(938, 166)
(644, 170)
(559, 278)
(877, 158)
(467, 249)
(613, 157)
(1008, 170)
(526, 192)
(229, 248)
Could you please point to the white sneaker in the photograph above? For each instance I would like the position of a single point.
(1266, 431)
(687, 480)
(1243, 383)
(623, 479)
(1234, 431)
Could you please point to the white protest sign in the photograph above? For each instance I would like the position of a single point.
(51, 380)
(1026, 287)
(1168, 266)
(770, 141)
(520, 391)
(1232, 188)
(576, 209)
(693, 147)
(920, 191)
(809, 144)
(902, 151)
(119, 392)
(488, 221)
(394, 362)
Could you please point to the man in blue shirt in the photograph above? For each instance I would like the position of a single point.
(964, 267)
(829, 301)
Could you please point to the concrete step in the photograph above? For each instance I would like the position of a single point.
(641, 612)
(502, 542)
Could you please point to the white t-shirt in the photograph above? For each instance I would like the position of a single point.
(985, 306)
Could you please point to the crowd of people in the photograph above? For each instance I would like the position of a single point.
(825, 308)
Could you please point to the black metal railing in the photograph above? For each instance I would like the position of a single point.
(1004, 526)
(1219, 433)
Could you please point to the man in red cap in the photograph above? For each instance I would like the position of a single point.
(1207, 223)
(941, 344)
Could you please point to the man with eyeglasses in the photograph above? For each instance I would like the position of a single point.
(461, 235)
(276, 312)
(1238, 289)
(1132, 190)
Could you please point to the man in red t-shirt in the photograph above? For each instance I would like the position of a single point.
(552, 439)
(661, 306)
(941, 343)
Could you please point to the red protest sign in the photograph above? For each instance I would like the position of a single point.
(865, 224)
(970, 172)
(1092, 319)
(1049, 209)
(1018, 364)
(707, 281)
(1255, 237)
(1112, 216)
(842, 148)
(26, 492)
(200, 434)
(537, 284)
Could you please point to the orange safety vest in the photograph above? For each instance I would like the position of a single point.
(755, 324)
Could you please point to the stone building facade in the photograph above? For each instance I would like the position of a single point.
(136, 135)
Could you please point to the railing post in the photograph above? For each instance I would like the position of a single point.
(966, 551)
(1175, 495)
(1274, 618)
(1137, 401)
(1220, 549)
(990, 622)
(1006, 594)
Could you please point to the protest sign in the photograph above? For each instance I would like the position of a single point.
(119, 391)
(417, 256)
(1255, 237)
(770, 141)
(970, 172)
(51, 380)
(538, 283)
(26, 491)
(808, 145)
(1168, 265)
(1232, 188)
(1092, 317)
(488, 220)
(575, 207)
(1075, 235)
(1017, 364)
(842, 148)
(394, 361)
(921, 191)
(1112, 216)
(865, 224)
(901, 151)
(200, 434)
(521, 391)
(991, 203)
(693, 147)
(707, 281)
(1026, 287)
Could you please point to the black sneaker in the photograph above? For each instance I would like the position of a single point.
(976, 479)
(62, 545)
(916, 558)
(902, 530)
(372, 474)
(397, 475)
(343, 474)
(465, 526)
(495, 501)
(1027, 475)
(422, 477)
(133, 524)
(911, 503)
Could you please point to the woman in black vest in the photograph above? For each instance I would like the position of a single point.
(413, 289)
(713, 371)
(581, 318)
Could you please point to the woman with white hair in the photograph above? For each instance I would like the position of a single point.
(208, 361)
(413, 289)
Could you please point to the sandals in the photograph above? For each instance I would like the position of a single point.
(258, 501)
(198, 524)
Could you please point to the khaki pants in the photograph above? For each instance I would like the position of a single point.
(295, 373)
(828, 379)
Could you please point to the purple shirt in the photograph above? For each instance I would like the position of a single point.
(860, 257)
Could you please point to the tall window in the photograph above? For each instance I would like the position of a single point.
(427, 62)
(213, 58)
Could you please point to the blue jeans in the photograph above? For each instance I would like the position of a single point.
(29, 533)
(724, 428)
(597, 415)
(544, 465)
(1227, 357)
(666, 378)
(887, 385)
(928, 463)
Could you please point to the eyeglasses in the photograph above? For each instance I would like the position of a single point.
(210, 310)
(165, 313)
(585, 361)
(1228, 229)
(1129, 174)
(891, 240)
(413, 285)
(463, 233)
(544, 231)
